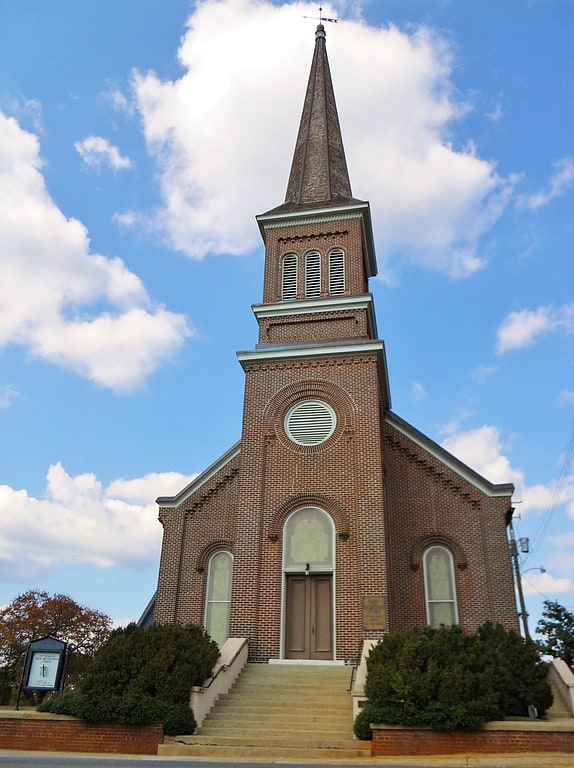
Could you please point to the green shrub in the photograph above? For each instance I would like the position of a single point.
(130, 709)
(143, 675)
(445, 679)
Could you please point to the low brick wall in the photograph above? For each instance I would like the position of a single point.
(37, 731)
(503, 737)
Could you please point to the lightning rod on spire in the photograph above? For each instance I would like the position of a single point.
(321, 18)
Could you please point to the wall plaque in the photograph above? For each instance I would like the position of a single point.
(374, 616)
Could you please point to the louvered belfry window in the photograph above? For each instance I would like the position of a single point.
(336, 271)
(312, 274)
(289, 276)
(310, 422)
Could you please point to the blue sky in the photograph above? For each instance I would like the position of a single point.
(138, 140)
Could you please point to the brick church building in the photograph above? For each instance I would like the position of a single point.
(332, 520)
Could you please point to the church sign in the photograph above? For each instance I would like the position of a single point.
(45, 666)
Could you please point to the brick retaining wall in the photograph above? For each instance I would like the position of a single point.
(37, 731)
(503, 737)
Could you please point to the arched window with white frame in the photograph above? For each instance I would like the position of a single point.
(289, 272)
(312, 274)
(336, 271)
(440, 588)
(218, 596)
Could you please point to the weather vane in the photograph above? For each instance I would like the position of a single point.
(321, 17)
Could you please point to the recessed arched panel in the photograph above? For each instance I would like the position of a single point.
(309, 541)
(218, 596)
(440, 588)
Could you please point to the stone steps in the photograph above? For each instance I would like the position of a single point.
(278, 711)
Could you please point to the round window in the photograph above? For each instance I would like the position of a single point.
(310, 422)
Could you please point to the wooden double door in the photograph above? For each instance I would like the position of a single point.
(309, 617)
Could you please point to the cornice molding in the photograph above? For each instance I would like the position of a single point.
(313, 306)
(292, 352)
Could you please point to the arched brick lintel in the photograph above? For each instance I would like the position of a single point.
(209, 550)
(437, 539)
(340, 517)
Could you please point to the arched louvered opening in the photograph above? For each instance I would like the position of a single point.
(310, 422)
(336, 271)
(312, 274)
(289, 277)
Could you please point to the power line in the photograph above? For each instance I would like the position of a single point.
(542, 527)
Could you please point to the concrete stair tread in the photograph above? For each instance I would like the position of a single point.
(278, 711)
(236, 752)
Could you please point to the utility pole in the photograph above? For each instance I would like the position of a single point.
(518, 578)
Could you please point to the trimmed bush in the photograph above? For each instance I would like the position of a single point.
(445, 679)
(143, 675)
(130, 710)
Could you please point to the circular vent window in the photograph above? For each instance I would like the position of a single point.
(310, 422)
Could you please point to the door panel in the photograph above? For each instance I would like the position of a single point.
(321, 611)
(295, 635)
(309, 617)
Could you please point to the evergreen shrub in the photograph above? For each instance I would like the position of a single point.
(445, 679)
(143, 675)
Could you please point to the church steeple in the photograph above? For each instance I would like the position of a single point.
(319, 242)
(319, 170)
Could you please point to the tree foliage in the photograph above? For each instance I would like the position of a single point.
(557, 630)
(446, 679)
(36, 614)
(143, 674)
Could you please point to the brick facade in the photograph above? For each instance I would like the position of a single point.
(389, 491)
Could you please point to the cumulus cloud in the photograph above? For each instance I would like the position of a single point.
(223, 133)
(96, 152)
(481, 449)
(559, 183)
(79, 520)
(523, 328)
(62, 302)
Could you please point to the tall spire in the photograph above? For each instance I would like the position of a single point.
(319, 169)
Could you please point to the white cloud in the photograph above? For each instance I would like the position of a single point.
(62, 302)
(481, 449)
(96, 151)
(523, 328)
(8, 393)
(483, 372)
(222, 134)
(418, 392)
(80, 521)
(560, 181)
(536, 583)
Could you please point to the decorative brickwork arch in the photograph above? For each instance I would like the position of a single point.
(316, 389)
(339, 516)
(211, 549)
(437, 539)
